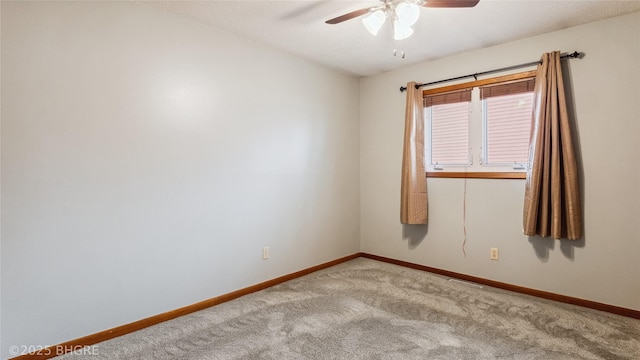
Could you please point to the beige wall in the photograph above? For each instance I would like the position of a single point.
(147, 159)
(605, 95)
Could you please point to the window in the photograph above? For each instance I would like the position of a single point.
(447, 117)
(482, 128)
(506, 123)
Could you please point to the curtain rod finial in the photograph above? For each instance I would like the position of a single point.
(404, 88)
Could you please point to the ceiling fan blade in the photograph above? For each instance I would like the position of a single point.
(348, 16)
(451, 3)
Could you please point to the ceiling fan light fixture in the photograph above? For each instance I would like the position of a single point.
(408, 13)
(401, 30)
(373, 22)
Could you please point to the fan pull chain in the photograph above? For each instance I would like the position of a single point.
(395, 52)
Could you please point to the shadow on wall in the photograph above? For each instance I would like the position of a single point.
(543, 246)
(414, 234)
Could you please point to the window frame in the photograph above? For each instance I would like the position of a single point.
(476, 84)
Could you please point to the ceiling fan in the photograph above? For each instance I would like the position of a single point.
(404, 14)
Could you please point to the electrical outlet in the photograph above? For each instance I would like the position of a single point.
(265, 253)
(493, 254)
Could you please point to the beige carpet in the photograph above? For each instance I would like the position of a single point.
(365, 309)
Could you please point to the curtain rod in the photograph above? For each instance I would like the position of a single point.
(572, 55)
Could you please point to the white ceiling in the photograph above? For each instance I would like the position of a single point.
(298, 27)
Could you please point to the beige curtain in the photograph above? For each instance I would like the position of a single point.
(552, 196)
(413, 203)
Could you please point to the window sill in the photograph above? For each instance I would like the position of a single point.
(514, 175)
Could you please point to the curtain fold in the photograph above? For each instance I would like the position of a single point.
(552, 195)
(413, 198)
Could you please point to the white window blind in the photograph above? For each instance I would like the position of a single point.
(507, 111)
(447, 117)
